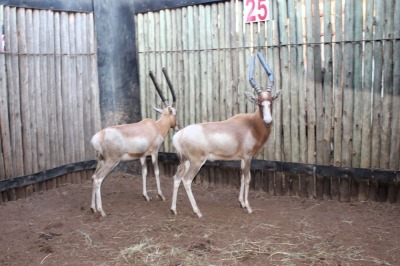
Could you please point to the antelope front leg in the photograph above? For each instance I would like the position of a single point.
(157, 174)
(144, 177)
(247, 179)
(244, 185)
(241, 191)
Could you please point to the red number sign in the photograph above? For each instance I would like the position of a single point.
(256, 10)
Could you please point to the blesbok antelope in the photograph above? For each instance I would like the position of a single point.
(238, 138)
(132, 141)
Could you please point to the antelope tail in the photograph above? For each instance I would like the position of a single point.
(177, 146)
(97, 146)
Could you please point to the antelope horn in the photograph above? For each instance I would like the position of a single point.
(251, 76)
(166, 104)
(171, 87)
(268, 70)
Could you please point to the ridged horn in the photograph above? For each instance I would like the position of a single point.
(268, 70)
(171, 87)
(251, 76)
(166, 104)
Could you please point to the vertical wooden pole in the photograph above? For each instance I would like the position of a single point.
(54, 137)
(12, 63)
(59, 95)
(229, 86)
(395, 137)
(236, 20)
(358, 96)
(6, 169)
(209, 67)
(216, 68)
(327, 95)
(357, 84)
(348, 96)
(204, 73)
(367, 110)
(5, 133)
(338, 95)
(23, 87)
(285, 82)
(24, 97)
(376, 95)
(301, 84)
(294, 87)
(310, 94)
(88, 115)
(73, 94)
(321, 145)
(65, 83)
(387, 85)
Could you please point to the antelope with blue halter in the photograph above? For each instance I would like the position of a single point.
(240, 137)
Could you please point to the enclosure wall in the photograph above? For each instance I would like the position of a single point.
(49, 106)
(336, 60)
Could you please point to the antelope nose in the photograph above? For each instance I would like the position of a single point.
(268, 120)
(269, 123)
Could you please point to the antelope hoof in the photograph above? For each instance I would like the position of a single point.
(103, 214)
(161, 196)
(199, 214)
(174, 212)
(249, 210)
(146, 197)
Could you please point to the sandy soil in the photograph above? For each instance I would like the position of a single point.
(57, 228)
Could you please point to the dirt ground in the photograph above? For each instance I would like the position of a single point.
(57, 228)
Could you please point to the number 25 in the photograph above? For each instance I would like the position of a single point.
(261, 11)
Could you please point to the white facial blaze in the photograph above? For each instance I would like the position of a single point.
(267, 112)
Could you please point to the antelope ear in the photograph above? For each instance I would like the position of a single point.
(158, 110)
(250, 96)
(277, 95)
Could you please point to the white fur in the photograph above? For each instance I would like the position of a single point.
(267, 112)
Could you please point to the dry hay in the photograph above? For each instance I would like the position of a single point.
(171, 242)
(58, 228)
(306, 250)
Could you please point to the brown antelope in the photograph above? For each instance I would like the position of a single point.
(132, 141)
(238, 138)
